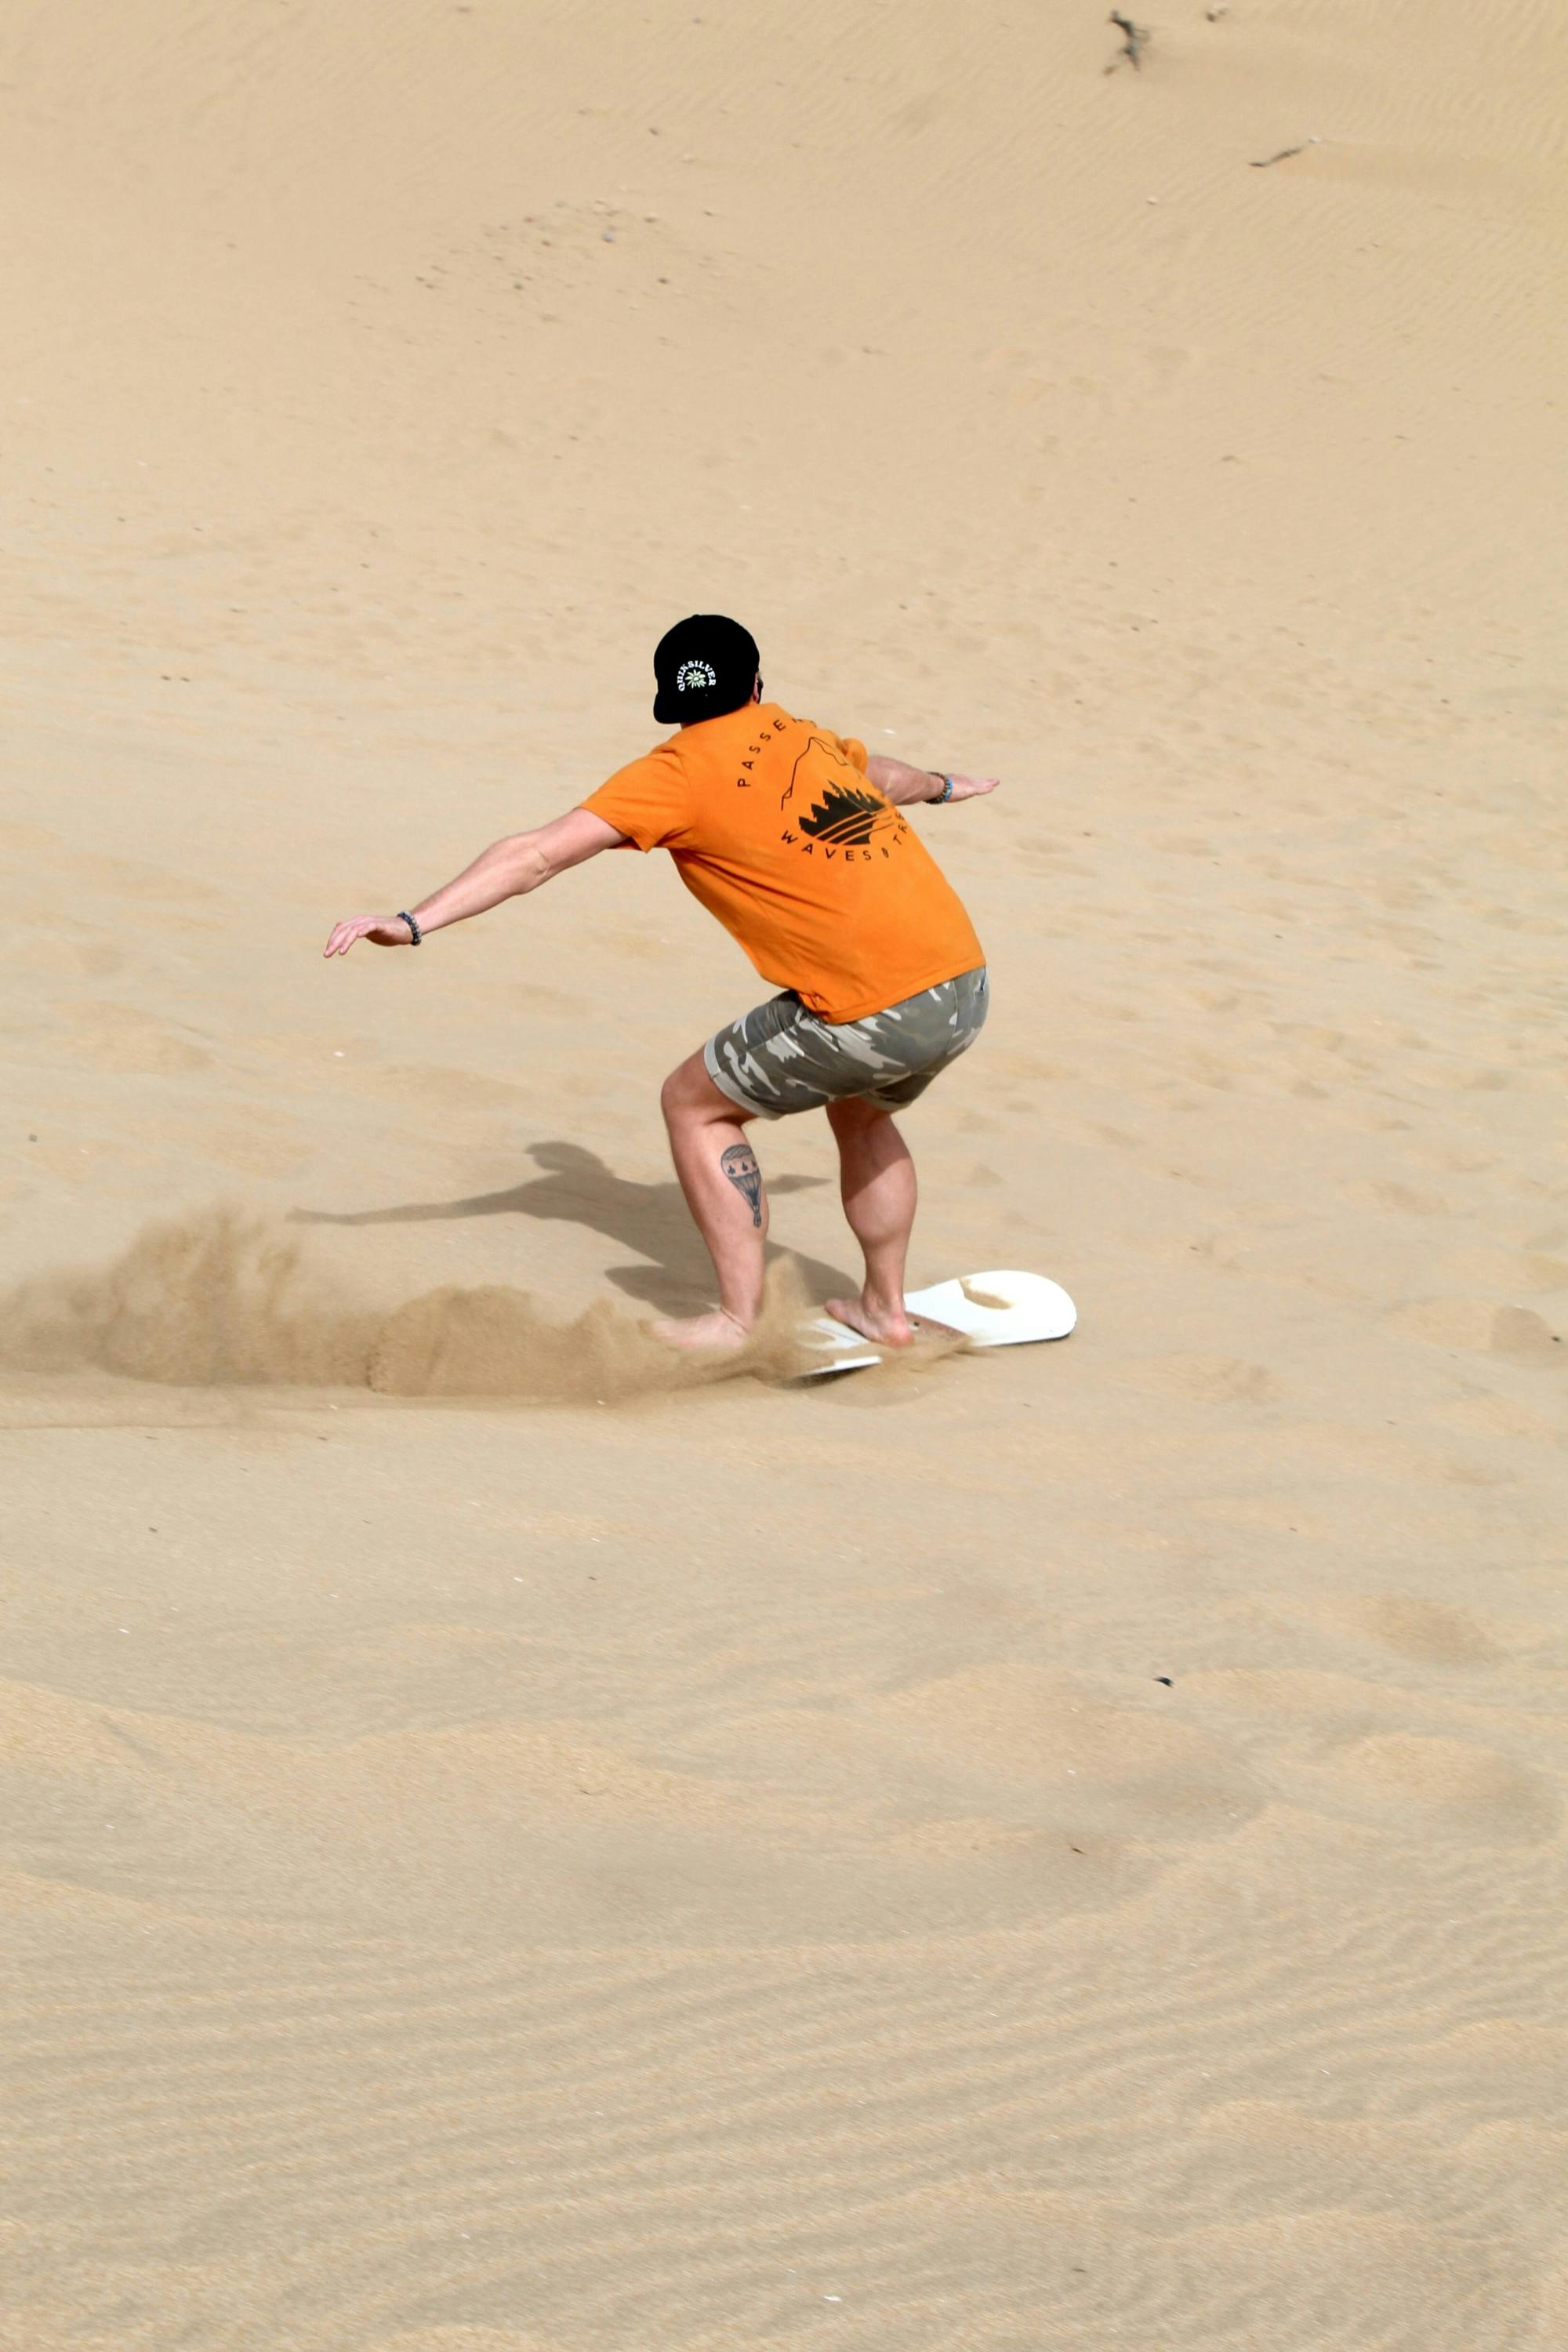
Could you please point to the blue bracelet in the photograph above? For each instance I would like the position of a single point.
(946, 791)
(415, 934)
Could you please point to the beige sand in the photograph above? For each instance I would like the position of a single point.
(1055, 1850)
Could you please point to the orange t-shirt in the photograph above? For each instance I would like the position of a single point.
(776, 828)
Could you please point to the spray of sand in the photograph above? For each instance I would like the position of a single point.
(224, 1298)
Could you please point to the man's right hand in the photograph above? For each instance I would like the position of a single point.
(899, 782)
(967, 788)
(380, 931)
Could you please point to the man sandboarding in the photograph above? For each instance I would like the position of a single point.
(794, 838)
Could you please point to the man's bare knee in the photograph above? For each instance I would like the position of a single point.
(688, 1092)
(855, 1112)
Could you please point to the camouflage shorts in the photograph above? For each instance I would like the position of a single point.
(781, 1058)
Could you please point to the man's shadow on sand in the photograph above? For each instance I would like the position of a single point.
(579, 1189)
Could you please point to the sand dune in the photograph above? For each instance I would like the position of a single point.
(514, 1846)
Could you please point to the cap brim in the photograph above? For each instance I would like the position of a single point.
(672, 709)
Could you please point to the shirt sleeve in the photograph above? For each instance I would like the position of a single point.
(853, 749)
(647, 801)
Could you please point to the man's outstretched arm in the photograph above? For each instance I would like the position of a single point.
(897, 781)
(507, 869)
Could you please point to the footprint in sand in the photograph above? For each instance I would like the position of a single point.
(1402, 1197)
(1481, 1326)
(1423, 1631)
(1206, 1380)
(445, 1089)
(1496, 1416)
(1040, 1740)
(120, 1037)
(1507, 1271)
(1447, 1785)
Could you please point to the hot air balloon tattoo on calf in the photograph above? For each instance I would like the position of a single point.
(740, 1165)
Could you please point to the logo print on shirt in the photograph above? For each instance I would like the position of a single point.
(844, 817)
(847, 814)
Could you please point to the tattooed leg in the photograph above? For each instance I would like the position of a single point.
(725, 1191)
(739, 1162)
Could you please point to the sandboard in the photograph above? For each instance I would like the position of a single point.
(1005, 1309)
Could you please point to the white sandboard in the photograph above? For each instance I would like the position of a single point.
(992, 1311)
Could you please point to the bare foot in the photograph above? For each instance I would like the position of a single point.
(889, 1326)
(715, 1330)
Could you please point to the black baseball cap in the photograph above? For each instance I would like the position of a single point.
(705, 665)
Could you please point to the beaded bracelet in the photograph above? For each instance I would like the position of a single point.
(415, 934)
